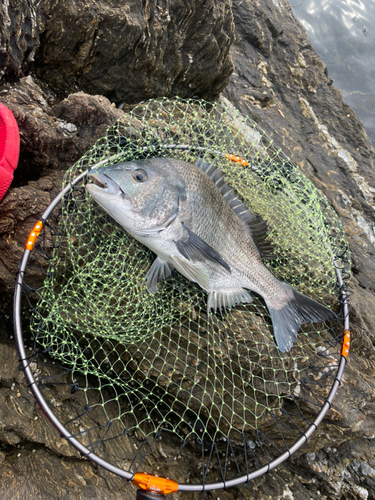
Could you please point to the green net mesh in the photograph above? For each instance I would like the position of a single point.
(156, 358)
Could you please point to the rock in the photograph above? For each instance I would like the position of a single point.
(127, 51)
(280, 82)
(18, 46)
(23, 476)
(52, 137)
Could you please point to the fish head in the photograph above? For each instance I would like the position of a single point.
(143, 196)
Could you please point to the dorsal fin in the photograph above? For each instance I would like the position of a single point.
(202, 165)
(217, 175)
(259, 231)
(256, 226)
(211, 169)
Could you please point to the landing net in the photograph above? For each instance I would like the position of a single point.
(138, 369)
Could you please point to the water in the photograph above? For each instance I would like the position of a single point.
(343, 33)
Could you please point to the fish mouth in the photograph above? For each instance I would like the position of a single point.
(101, 182)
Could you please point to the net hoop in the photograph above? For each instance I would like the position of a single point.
(83, 450)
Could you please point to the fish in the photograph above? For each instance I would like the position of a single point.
(196, 224)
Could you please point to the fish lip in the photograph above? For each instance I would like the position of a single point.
(102, 182)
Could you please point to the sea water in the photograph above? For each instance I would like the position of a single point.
(343, 34)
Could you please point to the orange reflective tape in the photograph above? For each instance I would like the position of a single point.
(236, 159)
(34, 233)
(158, 484)
(345, 346)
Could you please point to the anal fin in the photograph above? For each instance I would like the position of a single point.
(226, 298)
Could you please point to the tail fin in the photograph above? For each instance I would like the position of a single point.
(299, 309)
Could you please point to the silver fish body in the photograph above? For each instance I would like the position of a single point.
(194, 222)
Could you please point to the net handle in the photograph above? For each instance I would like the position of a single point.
(25, 366)
(149, 495)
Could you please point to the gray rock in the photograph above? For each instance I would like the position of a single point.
(127, 51)
(52, 137)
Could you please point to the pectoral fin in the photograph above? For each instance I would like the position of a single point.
(193, 271)
(192, 247)
(160, 270)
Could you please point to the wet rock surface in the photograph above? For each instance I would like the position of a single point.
(127, 51)
(281, 83)
(52, 137)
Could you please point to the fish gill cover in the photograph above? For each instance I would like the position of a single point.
(151, 363)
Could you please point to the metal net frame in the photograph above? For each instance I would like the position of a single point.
(111, 362)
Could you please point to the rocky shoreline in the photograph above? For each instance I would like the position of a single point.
(57, 82)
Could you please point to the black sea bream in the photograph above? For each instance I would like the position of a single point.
(194, 223)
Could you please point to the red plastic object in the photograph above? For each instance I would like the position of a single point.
(9, 148)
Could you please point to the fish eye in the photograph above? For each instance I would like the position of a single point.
(140, 175)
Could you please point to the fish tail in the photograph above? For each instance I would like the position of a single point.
(287, 315)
